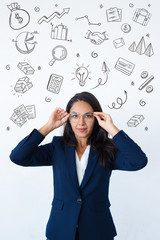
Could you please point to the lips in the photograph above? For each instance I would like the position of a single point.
(81, 129)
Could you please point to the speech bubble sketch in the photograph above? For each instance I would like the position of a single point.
(59, 53)
(119, 42)
(141, 48)
(55, 14)
(26, 68)
(135, 120)
(96, 37)
(89, 23)
(54, 83)
(19, 18)
(114, 14)
(119, 101)
(59, 32)
(21, 114)
(25, 42)
(82, 74)
(23, 85)
(124, 66)
(141, 16)
(105, 71)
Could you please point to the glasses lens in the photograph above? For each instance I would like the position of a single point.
(74, 117)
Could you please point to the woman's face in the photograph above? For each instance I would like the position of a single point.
(82, 120)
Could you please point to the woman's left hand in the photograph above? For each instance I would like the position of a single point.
(106, 122)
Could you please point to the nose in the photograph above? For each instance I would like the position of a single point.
(81, 120)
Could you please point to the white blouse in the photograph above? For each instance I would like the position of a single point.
(82, 164)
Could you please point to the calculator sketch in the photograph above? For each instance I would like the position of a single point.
(54, 83)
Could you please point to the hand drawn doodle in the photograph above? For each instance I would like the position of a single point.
(36, 9)
(146, 82)
(59, 32)
(105, 71)
(26, 68)
(141, 48)
(22, 114)
(132, 83)
(47, 99)
(119, 101)
(144, 74)
(19, 18)
(135, 120)
(23, 85)
(55, 14)
(82, 74)
(8, 128)
(39, 68)
(94, 54)
(126, 28)
(149, 5)
(56, 5)
(119, 42)
(101, 5)
(142, 103)
(89, 23)
(124, 66)
(146, 128)
(54, 83)
(148, 35)
(114, 14)
(59, 53)
(8, 67)
(131, 5)
(96, 37)
(141, 16)
(149, 88)
(25, 42)
(77, 55)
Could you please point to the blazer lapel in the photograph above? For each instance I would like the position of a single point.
(71, 166)
(92, 160)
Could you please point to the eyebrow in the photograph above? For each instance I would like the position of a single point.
(83, 113)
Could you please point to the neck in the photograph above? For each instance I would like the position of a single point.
(82, 143)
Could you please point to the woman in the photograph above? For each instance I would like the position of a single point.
(82, 159)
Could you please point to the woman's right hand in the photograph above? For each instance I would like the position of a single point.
(56, 119)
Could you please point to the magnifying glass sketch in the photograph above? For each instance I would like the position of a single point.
(59, 53)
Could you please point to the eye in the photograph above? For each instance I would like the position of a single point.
(89, 115)
(74, 115)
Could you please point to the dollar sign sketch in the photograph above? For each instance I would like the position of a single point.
(20, 19)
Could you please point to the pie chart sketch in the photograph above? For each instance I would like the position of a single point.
(25, 42)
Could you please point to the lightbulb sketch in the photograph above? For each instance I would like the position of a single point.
(59, 53)
(82, 74)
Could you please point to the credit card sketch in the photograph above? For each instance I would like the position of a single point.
(124, 66)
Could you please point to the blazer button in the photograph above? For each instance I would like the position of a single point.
(79, 200)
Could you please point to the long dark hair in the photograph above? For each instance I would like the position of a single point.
(99, 139)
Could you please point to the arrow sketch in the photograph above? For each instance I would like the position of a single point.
(55, 14)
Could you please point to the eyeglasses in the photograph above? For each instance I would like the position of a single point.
(87, 117)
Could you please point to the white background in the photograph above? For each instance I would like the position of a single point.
(26, 193)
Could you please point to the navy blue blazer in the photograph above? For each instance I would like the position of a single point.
(86, 205)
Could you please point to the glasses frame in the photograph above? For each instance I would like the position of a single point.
(79, 116)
